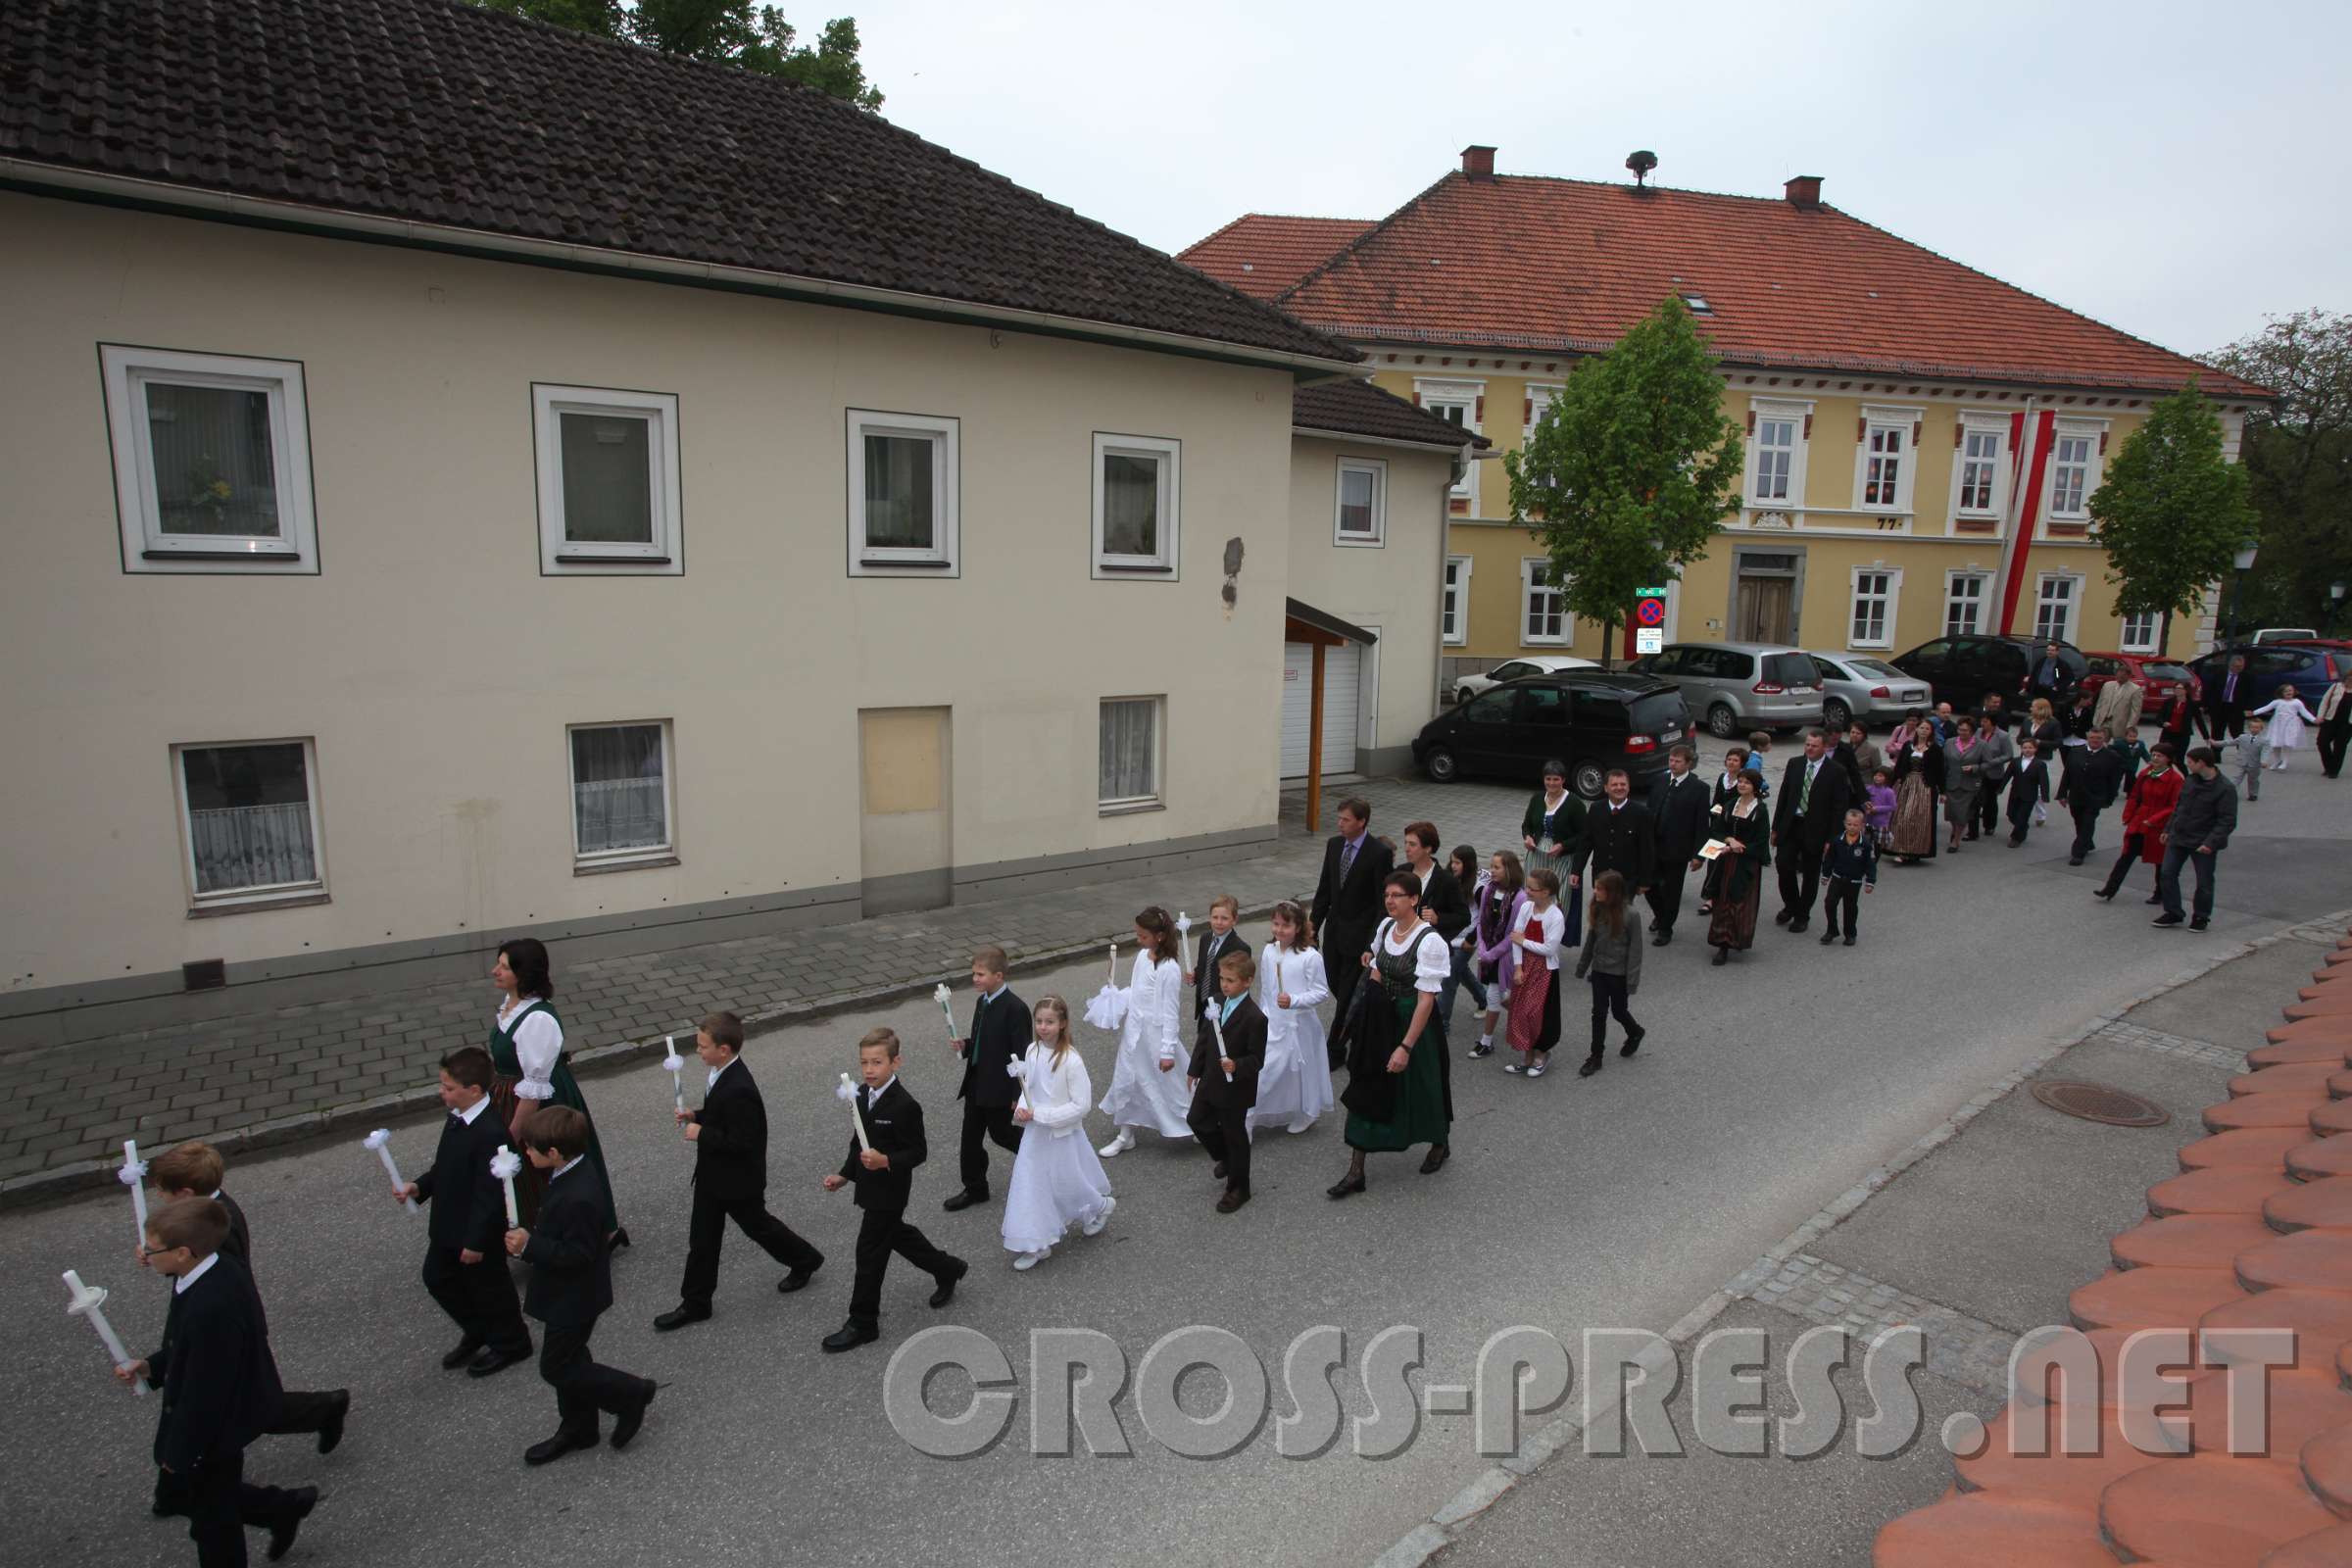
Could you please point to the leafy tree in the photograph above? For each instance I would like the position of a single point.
(725, 32)
(2298, 460)
(1632, 468)
(2171, 511)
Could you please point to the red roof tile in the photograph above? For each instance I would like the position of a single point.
(1522, 262)
(1262, 254)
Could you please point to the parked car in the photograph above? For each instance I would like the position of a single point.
(2286, 634)
(1960, 670)
(1855, 686)
(1736, 687)
(1468, 686)
(1591, 720)
(2158, 678)
(2309, 668)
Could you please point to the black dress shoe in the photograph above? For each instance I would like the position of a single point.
(2104, 895)
(467, 1348)
(852, 1335)
(1435, 1161)
(1659, 938)
(555, 1448)
(300, 1501)
(1782, 919)
(333, 1433)
(1827, 937)
(1850, 939)
(2198, 925)
(1345, 1186)
(1795, 926)
(1593, 1065)
(790, 1283)
(677, 1317)
(1723, 955)
(626, 1424)
(2153, 898)
(947, 1285)
(619, 1238)
(959, 1202)
(1632, 1043)
(492, 1362)
(1231, 1201)
(2168, 919)
(1218, 1170)
(2073, 859)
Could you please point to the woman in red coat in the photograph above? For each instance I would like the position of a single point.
(2148, 802)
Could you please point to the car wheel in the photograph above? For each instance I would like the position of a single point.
(1440, 766)
(1722, 722)
(1589, 780)
(1836, 715)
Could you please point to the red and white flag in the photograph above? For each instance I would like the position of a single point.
(2030, 433)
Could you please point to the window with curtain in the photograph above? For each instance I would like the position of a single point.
(212, 462)
(1883, 465)
(2070, 474)
(607, 466)
(1359, 513)
(1130, 504)
(216, 472)
(620, 789)
(899, 493)
(250, 823)
(608, 479)
(1980, 455)
(1128, 769)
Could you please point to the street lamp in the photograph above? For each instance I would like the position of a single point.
(2335, 602)
(2244, 561)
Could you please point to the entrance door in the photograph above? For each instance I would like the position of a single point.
(1762, 612)
(903, 816)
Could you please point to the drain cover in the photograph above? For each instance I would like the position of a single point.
(2100, 1102)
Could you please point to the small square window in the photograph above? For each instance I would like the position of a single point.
(609, 489)
(1128, 764)
(1362, 502)
(250, 814)
(212, 462)
(620, 813)
(904, 494)
(1134, 506)
(2140, 632)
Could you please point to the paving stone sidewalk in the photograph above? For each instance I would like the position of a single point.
(267, 1078)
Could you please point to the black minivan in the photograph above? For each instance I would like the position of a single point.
(1960, 670)
(1593, 721)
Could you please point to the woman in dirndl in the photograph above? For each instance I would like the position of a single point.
(1735, 883)
(1553, 832)
(1398, 1089)
(1919, 773)
(528, 1070)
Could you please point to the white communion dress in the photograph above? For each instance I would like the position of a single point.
(1293, 1086)
(1141, 1095)
(1057, 1179)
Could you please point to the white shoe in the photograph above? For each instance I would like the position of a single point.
(1094, 1227)
(1031, 1259)
(1299, 1126)
(1119, 1145)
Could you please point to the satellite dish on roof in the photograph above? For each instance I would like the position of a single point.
(1641, 163)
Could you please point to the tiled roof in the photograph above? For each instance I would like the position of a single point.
(1262, 254)
(1519, 261)
(440, 113)
(1358, 407)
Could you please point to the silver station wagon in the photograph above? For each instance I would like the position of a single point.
(1733, 688)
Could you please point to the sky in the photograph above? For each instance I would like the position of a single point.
(2173, 169)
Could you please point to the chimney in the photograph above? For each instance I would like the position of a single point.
(1478, 163)
(1804, 190)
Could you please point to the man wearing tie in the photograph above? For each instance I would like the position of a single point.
(1811, 811)
(1348, 905)
(2226, 702)
(2088, 788)
(999, 1036)
(1678, 813)
(2050, 678)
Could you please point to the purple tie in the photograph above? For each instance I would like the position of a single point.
(1347, 858)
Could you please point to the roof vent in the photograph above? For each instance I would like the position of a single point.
(1804, 190)
(1642, 164)
(1478, 163)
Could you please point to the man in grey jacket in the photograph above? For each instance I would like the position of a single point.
(1996, 759)
(2200, 829)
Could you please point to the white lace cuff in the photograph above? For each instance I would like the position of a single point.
(534, 1088)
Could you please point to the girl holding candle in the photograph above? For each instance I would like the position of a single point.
(528, 1069)
(1293, 1085)
(1146, 1089)
(1057, 1180)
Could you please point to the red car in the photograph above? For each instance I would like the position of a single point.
(2158, 678)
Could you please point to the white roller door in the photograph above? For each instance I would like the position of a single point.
(1342, 672)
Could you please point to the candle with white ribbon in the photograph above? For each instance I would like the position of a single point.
(380, 1140)
(89, 1301)
(947, 1009)
(133, 1175)
(676, 1065)
(857, 1116)
(1108, 1009)
(506, 1164)
(1216, 1024)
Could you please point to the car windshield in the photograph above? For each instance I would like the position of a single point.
(1789, 669)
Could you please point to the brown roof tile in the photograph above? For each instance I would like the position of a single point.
(1262, 254)
(1358, 407)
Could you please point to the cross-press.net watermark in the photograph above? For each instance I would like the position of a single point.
(1076, 1379)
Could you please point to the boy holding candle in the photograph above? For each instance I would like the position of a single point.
(885, 1147)
(465, 1262)
(1000, 1038)
(1229, 1046)
(570, 1254)
(1224, 910)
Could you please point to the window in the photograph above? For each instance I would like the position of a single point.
(1491, 707)
(1127, 772)
(1776, 472)
(2070, 470)
(1463, 403)
(2054, 609)
(1544, 710)
(1543, 616)
(1454, 613)
(1882, 467)
(1539, 403)
(607, 481)
(1979, 469)
(251, 816)
(1872, 622)
(621, 796)
(2139, 633)
(212, 462)
(1511, 669)
(1363, 503)
(904, 480)
(1964, 603)
(1134, 505)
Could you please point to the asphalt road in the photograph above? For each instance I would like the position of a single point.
(1765, 1089)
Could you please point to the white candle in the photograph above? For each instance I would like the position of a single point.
(676, 1065)
(88, 1301)
(947, 1008)
(133, 1175)
(857, 1116)
(1115, 963)
(1217, 1027)
(380, 1140)
(503, 1165)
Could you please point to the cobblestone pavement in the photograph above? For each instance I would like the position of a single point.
(271, 1077)
(1962, 1347)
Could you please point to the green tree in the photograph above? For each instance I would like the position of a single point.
(2297, 455)
(723, 32)
(2171, 511)
(1630, 471)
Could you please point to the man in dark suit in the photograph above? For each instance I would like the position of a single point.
(1815, 792)
(1000, 1035)
(2089, 787)
(465, 1262)
(1677, 817)
(1618, 836)
(570, 1256)
(729, 1134)
(882, 1167)
(220, 1388)
(1225, 1082)
(1347, 906)
(2227, 696)
(2049, 676)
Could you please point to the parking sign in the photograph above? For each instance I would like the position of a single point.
(1649, 640)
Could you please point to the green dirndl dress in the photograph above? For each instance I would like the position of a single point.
(1424, 1108)
(506, 1067)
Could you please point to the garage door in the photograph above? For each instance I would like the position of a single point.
(1339, 681)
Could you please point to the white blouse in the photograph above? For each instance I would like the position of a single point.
(1433, 961)
(1059, 1095)
(537, 1044)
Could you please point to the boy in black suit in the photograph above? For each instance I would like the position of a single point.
(220, 1388)
(729, 1135)
(884, 1171)
(1000, 1036)
(1224, 912)
(1225, 1083)
(466, 1264)
(570, 1254)
(2029, 787)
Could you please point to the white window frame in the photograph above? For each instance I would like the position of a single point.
(1953, 596)
(1119, 805)
(664, 554)
(1902, 423)
(944, 558)
(1531, 570)
(663, 853)
(1891, 597)
(1379, 473)
(1169, 453)
(2091, 433)
(1794, 415)
(1976, 426)
(1433, 394)
(1537, 397)
(312, 891)
(1453, 601)
(2071, 620)
(127, 371)
(2144, 642)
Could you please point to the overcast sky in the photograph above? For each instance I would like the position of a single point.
(2173, 170)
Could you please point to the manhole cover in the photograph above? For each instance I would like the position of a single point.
(2101, 1103)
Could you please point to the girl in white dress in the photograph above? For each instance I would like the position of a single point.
(1147, 1089)
(2287, 716)
(1056, 1180)
(1293, 1085)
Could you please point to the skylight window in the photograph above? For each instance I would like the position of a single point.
(1698, 304)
